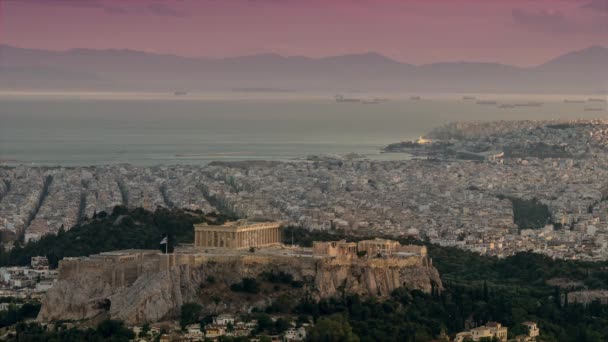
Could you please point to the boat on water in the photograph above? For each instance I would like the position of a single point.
(506, 106)
(180, 93)
(574, 101)
(415, 98)
(594, 109)
(342, 99)
(529, 104)
(596, 100)
(485, 102)
(469, 98)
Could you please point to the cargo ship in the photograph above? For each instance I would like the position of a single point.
(342, 99)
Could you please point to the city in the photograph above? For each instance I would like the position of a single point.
(303, 171)
(449, 201)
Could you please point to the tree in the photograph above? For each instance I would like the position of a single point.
(489, 339)
(334, 328)
(114, 329)
(190, 313)
(249, 285)
(145, 329)
(281, 325)
(264, 323)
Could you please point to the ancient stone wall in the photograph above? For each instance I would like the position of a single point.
(153, 286)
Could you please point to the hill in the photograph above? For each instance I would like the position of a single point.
(121, 229)
(121, 70)
(524, 287)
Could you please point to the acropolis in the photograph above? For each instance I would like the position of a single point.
(156, 284)
(238, 234)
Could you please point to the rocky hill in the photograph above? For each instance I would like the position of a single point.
(153, 287)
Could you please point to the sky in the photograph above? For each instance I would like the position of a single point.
(517, 32)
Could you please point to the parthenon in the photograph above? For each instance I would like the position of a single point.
(239, 234)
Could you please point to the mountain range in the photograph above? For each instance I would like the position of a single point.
(583, 71)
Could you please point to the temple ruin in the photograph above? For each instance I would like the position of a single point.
(240, 234)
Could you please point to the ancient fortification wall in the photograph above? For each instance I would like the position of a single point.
(146, 286)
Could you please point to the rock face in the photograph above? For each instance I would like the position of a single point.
(153, 288)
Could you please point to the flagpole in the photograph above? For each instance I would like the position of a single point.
(167, 246)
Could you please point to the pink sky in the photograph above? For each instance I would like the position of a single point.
(521, 32)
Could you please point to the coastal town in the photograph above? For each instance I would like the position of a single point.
(445, 197)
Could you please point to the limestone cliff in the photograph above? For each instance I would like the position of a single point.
(148, 293)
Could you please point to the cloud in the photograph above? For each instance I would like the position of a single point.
(597, 5)
(544, 21)
(114, 7)
(555, 22)
(105, 6)
(164, 10)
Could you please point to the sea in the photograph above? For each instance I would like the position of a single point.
(82, 129)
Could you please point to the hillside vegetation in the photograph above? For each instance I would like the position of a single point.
(121, 229)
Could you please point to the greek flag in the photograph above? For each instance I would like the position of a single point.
(163, 241)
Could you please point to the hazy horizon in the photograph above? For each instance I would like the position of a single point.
(521, 33)
(296, 56)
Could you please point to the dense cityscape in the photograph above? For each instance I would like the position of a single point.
(303, 171)
(495, 189)
(448, 198)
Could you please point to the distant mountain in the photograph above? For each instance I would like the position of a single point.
(86, 69)
(586, 68)
(595, 58)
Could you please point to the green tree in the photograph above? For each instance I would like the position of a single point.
(115, 329)
(281, 325)
(334, 328)
(264, 323)
(190, 313)
(145, 329)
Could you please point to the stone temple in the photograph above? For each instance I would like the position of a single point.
(240, 234)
